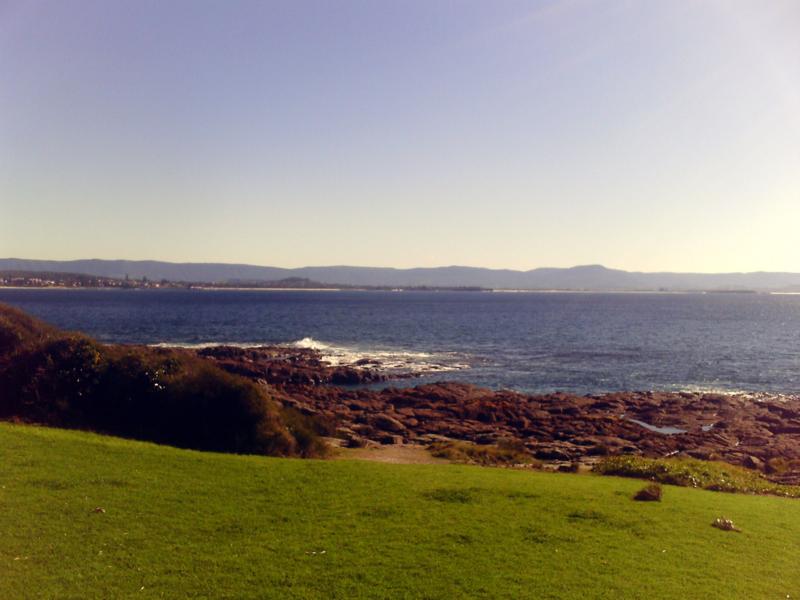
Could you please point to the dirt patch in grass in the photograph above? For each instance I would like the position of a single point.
(407, 454)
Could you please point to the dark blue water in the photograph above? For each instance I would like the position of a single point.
(534, 342)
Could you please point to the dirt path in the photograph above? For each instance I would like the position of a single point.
(409, 454)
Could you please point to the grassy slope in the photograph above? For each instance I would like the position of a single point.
(188, 524)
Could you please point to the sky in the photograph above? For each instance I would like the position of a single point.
(650, 136)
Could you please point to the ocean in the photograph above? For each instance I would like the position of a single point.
(532, 342)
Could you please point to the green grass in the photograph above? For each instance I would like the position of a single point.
(179, 524)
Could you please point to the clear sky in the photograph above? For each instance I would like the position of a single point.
(640, 135)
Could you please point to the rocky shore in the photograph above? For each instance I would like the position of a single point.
(289, 367)
(759, 432)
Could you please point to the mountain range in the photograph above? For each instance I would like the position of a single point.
(589, 277)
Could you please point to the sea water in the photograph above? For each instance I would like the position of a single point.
(534, 342)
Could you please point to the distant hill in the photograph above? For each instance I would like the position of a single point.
(590, 277)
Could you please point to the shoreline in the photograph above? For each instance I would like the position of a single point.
(366, 359)
(407, 289)
(758, 430)
(368, 400)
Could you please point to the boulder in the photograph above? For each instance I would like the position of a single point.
(386, 423)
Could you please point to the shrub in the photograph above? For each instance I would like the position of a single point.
(166, 396)
(41, 383)
(779, 465)
(18, 329)
(306, 432)
(649, 493)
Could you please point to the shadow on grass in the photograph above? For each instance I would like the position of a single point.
(589, 515)
(117, 483)
(534, 534)
(461, 539)
(51, 484)
(378, 512)
(639, 527)
(453, 495)
(522, 496)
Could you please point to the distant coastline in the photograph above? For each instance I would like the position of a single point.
(69, 281)
(222, 288)
(590, 278)
(213, 288)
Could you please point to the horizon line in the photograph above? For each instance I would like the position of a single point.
(351, 266)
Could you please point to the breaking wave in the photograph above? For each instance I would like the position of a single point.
(201, 345)
(386, 359)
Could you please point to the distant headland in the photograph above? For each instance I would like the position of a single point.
(152, 274)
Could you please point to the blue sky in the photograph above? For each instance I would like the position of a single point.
(641, 135)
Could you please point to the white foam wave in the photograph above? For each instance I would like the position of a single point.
(310, 343)
(743, 394)
(201, 345)
(394, 360)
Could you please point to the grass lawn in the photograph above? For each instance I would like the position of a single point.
(188, 524)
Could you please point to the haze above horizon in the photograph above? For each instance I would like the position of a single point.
(647, 136)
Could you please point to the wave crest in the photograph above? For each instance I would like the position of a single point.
(310, 343)
(391, 360)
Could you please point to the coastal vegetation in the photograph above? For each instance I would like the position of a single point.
(89, 516)
(687, 472)
(163, 395)
(506, 453)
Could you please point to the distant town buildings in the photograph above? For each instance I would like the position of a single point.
(70, 280)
